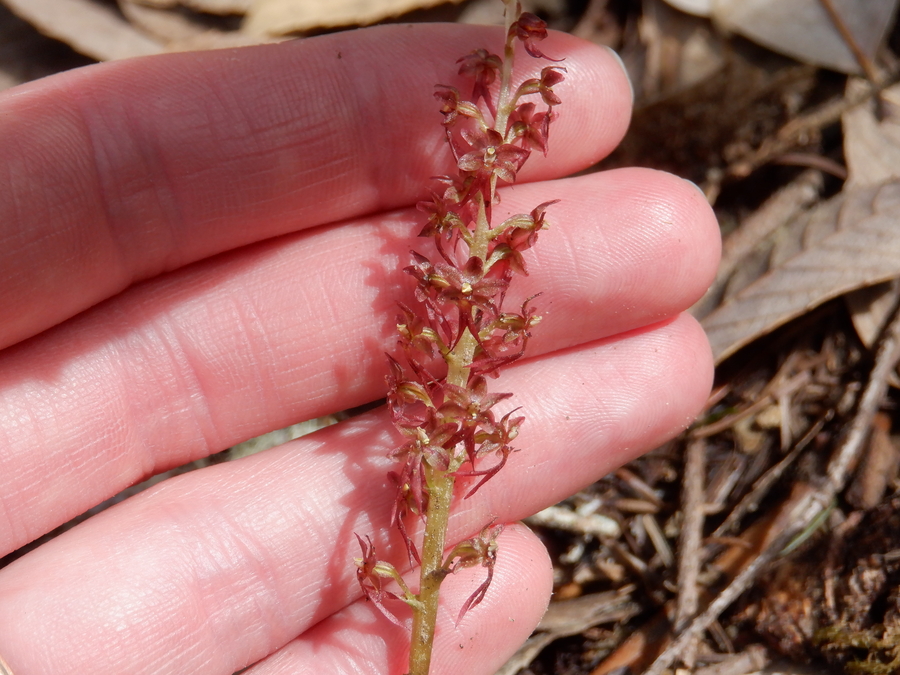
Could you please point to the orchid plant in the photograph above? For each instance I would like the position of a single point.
(459, 334)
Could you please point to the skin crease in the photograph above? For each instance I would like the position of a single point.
(197, 248)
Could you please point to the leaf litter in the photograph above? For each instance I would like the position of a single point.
(765, 538)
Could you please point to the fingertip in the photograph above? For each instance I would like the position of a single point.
(517, 598)
(359, 640)
(597, 101)
(671, 222)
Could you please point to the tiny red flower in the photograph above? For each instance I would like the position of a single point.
(453, 106)
(550, 77)
(371, 577)
(481, 66)
(490, 155)
(530, 29)
(442, 218)
(468, 287)
(480, 549)
(532, 128)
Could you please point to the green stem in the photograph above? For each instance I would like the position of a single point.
(438, 514)
(440, 494)
(504, 102)
(441, 483)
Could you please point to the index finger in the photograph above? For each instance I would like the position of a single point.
(118, 172)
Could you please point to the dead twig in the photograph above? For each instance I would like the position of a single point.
(561, 518)
(805, 509)
(886, 358)
(790, 135)
(764, 483)
(691, 535)
(865, 63)
(799, 512)
(689, 541)
(751, 659)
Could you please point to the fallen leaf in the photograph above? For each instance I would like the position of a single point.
(872, 142)
(166, 24)
(219, 6)
(571, 617)
(27, 55)
(181, 30)
(681, 51)
(280, 17)
(847, 242)
(87, 27)
(872, 153)
(746, 251)
(696, 7)
(207, 6)
(869, 308)
(802, 29)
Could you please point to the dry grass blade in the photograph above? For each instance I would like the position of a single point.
(767, 481)
(593, 524)
(4, 667)
(862, 249)
(797, 514)
(281, 17)
(885, 361)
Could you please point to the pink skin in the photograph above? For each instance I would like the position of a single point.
(132, 347)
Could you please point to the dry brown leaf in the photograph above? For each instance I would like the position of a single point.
(571, 617)
(281, 17)
(681, 51)
(872, 152)
(87, 27)
(163, 23)
(746, 251)
(27, 55)
(848, 242)
(180, 30)
(208, 6)
(802, 28)
(872, 143)
(869, 308)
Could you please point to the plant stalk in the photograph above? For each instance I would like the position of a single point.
(440, 497)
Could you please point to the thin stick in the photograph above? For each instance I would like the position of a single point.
(810, 504)
(790, 134)
(691, 533)
(804, 510)
(865, 63)
(869, 401)
(689, 541)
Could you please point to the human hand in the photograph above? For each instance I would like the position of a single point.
(202, 247)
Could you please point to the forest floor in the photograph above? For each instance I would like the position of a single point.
(767, 537)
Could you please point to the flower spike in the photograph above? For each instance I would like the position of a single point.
(456, 435)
